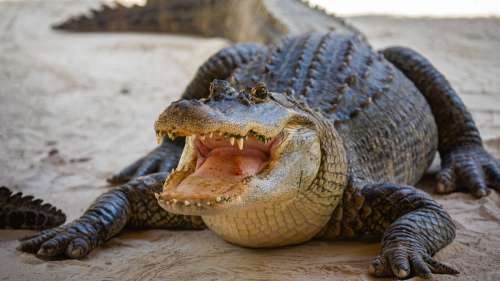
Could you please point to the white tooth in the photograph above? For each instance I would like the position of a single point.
(240, 143)
(198, 204)
(231, 140)
(159, 138)
(218, 199)
(211, 134)
(187, 203)
(157, 195)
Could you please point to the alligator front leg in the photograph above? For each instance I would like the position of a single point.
(465, 162)
(131, 205)
(418, 227)
(413, 226)
(219, 66)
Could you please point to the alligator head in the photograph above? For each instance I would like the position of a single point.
(249, 152)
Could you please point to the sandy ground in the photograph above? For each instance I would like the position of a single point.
(91, 99)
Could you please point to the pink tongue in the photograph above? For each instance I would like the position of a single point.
(221, 173)
(229, 162)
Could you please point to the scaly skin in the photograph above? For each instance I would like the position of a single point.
(25, 212)
(366, 124)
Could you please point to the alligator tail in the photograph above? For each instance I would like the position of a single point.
(175, 16)
(25, 212)
(263, 21)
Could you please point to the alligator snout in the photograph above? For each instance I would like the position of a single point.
(235, 113)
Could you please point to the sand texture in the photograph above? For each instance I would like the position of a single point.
(76, 107)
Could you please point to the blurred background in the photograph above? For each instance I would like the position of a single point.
(428, 8)
(434, 8)
(431, 8)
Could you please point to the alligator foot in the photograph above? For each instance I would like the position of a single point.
(103, 219)
(162, 159)
(470, 168)
(133, 204)
(415, 228)
(55, 242)
(405, 260)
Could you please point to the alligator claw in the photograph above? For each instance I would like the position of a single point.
(470, 168)
(65, 241)
(31, 244)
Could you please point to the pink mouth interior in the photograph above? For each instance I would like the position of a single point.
(218, 158)
(221, 167)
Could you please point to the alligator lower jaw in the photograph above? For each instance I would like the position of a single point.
(216, 172)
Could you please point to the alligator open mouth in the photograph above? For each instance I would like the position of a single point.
(239, 146)
(214, 169)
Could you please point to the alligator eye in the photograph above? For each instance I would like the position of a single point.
(260, 91)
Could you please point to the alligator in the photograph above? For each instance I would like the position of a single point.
(26, 212)
(310, 136)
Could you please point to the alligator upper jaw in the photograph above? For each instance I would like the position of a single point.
(214, 170)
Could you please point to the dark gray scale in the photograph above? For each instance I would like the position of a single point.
(326, 70)
(350, 90)
(385, 126)
(285, 61)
